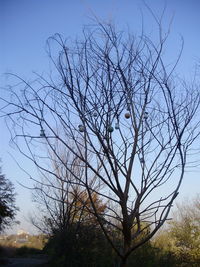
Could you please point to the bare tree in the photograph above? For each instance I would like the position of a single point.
(132, 122)
(61, 198)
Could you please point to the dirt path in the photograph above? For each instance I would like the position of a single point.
(26, 262)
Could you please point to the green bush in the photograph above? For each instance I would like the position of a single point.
(89, 248)
(85, 247)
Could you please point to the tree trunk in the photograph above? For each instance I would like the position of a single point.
(123, 262)
(127, 244)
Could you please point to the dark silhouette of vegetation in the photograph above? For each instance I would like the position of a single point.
(8, 208)
(86, 246)
(90, 248)
(177, 245)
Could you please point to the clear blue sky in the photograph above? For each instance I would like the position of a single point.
(26, 24)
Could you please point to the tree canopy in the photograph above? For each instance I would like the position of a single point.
(7, 202)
